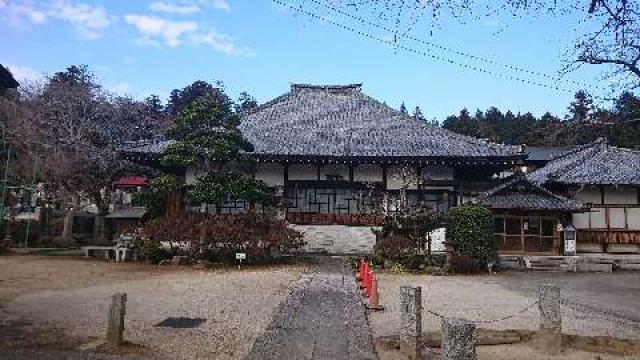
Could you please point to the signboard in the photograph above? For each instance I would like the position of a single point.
(241, 256)
(569, 241)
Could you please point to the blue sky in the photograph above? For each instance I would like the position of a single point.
(140, 47)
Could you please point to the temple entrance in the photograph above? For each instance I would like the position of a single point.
(526, 234)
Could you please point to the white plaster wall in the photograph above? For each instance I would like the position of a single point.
(598, 218)
(617, 218)
(633, 218)
(620, 195)
(333, 169)
(394, 178)
(589, 195)
(303, 172)
(367, 172)
(580, 220)
(437, 172)
(271, 173)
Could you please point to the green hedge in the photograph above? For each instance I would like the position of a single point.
(470, 232)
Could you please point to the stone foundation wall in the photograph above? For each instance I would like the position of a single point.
(337, 239)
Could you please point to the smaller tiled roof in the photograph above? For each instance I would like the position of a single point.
(539, 153)
(596, 163)
(131, 181)
(520, 193)
(153, 148)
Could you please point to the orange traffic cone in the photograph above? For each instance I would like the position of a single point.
(360, 270)
(374, 301)
(368, 283)
(365, 275)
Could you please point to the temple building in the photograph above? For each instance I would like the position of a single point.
(338, 155)
(606, 179)
(529, 219)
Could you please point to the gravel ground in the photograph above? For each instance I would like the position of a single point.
(238, 306)
(498, 296)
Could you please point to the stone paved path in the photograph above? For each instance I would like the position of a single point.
(322, 318)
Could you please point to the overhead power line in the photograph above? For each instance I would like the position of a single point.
(423, 53)
(442, 47)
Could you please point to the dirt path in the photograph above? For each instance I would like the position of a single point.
(322, 318)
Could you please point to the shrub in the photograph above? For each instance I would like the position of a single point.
(153, 252)
(404, 234)
(464, 265)
(470, 232)
(218, 237)
(153, 201)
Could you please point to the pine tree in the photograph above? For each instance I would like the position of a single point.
(403, 109)
(581, 108)
(417, 114)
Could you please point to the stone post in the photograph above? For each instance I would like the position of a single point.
(411, 322)
(550, 334)
(458, 340)
(115, 322)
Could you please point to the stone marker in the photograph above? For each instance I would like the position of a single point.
(115, 322)
(458, 339)
(411, 322)
(550, 334)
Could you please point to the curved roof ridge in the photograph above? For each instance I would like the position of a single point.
(470, 139)
(341, 120)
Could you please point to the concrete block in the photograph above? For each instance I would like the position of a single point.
(549, 338)
(115, 322)
(458, 340)
(594, 267)
(411, 322)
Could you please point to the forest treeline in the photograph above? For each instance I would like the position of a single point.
(583, 123)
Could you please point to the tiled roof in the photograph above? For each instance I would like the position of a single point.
(131, 181)
(342, 121)
(520, 193)
(596, 163)
(156, 147)
(538, 153)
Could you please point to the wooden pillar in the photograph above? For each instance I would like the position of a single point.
(420, 185)
(350, 172)
(384, 176)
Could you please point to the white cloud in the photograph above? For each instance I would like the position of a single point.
(89, 20)
(153, 29)
(25, 74)
(180, 9)
(221, 5)
(158, 32)
(221, 42)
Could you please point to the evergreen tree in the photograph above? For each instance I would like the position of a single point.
(245, 103)
(581, 107)
(417, 114)
(207, 135)
(403, 109)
